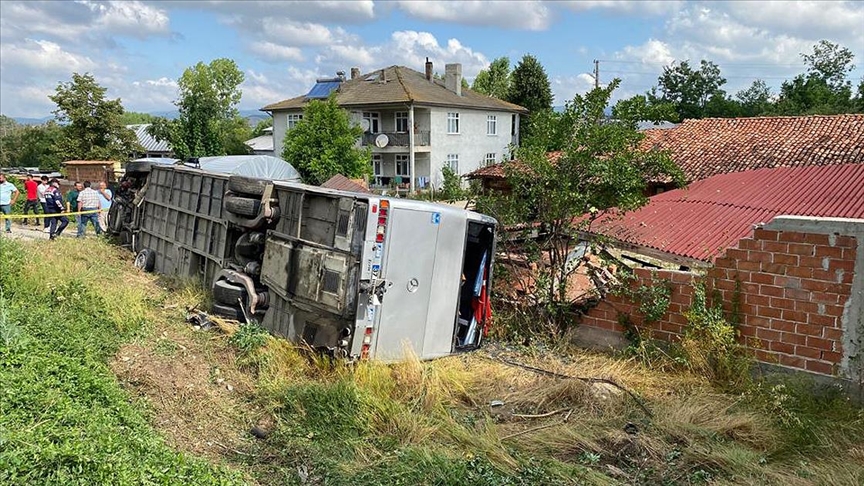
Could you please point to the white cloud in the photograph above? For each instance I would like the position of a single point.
(564, 88)
(271, 52)
(653, 51)
(302, 34)
(651, 7)
(809, 20)
(42, 57)
(528, 15)
(130, 18)
(355, 11)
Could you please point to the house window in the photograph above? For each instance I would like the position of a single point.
(453, 162)
(403, 167)
(453, 123)
(490, 159)
(402, 122)
(377, 165)
(373, 120)
(294, 119)
(491, 125)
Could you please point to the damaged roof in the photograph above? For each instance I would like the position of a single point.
(711, 215)
(401, 85)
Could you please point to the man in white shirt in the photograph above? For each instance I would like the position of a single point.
(40, 192)
(105, 196)
(8, 194)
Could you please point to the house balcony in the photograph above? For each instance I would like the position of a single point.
(397, 139)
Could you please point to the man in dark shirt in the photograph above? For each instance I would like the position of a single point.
(54, 203)
(72, 197)
(31, 186)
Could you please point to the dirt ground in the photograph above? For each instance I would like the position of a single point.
(189, 379)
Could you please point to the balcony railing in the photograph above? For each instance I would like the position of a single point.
(394, 139)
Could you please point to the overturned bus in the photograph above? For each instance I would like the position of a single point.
(357, 275)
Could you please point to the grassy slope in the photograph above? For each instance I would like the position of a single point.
(63, 417)
(408, 423)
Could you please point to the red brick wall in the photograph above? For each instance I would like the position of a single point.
(791, 291)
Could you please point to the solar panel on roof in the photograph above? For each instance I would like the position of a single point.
(322, 89)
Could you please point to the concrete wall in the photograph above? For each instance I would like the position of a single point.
(799, 285)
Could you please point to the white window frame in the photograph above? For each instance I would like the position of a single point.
(293, 119)
(452, 123)
(491, 158)
(453, 162)
(403, 117)
(377, 165)
(374, 121)
(492, 125)
(405, 161)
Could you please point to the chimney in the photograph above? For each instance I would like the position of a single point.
(453, 78)
(428, 70)
(355, 72)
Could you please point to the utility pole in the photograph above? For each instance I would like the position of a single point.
(596, 73)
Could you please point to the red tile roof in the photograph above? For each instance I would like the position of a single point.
(711, 146)
(713, 214)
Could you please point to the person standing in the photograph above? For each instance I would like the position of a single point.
(40, 193)
(54, 206)
(88, 200)
(72, 198)
(32, 190)
(8, 195)
(105, 197)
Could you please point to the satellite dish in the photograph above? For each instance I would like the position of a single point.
(381, 141)
(365, 124)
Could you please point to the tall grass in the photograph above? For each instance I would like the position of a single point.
(63, 417)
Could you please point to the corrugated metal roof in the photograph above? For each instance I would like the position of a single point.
(264, 142)
(147, 141)
(713, 214)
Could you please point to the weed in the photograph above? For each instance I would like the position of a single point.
(249, 337)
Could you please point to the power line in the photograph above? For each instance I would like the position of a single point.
(741, 64)
(724, 76)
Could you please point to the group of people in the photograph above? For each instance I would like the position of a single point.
(94, 203)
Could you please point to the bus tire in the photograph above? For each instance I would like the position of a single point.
(145, 260)
(116, 216)
(229, 311)
(242, 206)
(247, 185)
(228, 293)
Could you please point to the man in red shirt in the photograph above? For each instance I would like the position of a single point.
(32, 197)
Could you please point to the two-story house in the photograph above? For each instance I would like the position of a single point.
(414, 123)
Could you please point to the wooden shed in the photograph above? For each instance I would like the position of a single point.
(90, 170)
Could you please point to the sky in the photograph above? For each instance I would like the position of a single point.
(138, 49)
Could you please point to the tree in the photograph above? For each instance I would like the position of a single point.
(261, 126)
(601, 171)
(823, 89)
(830, 62)
(136, 118)
(688, 89)
(529, 85)
(494, 81)
(32, 146)
(93, 129)
(755, 100)
(324, 143)
(209, 94)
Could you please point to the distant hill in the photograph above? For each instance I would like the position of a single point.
(253, 117)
